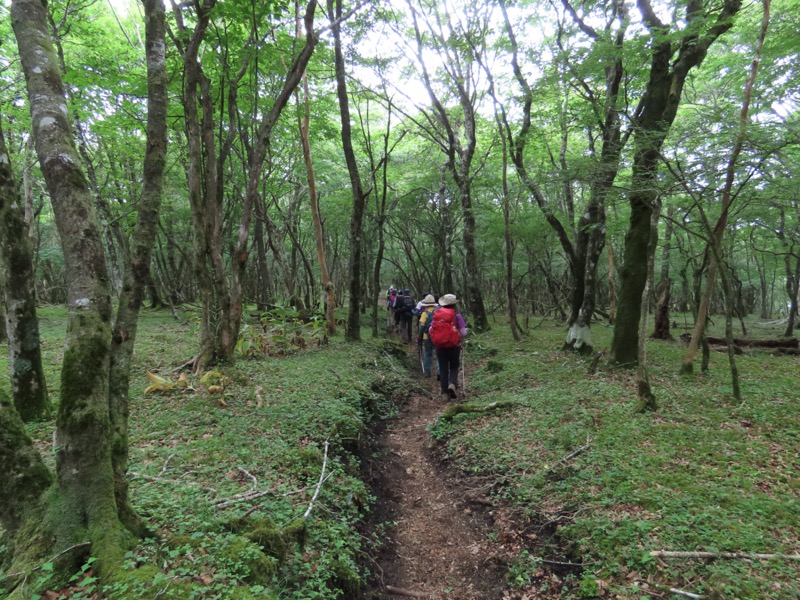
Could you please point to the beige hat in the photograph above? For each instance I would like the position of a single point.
(448, 300)
(428, 300)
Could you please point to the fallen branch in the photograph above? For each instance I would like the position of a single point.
(458, 409)
(571, 455)
(713, 555)
(408, 593)
(251, 476)
(790, 342)
(322, 479)
(683, 593)
(253, 495)
(166, 463)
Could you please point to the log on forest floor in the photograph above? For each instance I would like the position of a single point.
(789, 342)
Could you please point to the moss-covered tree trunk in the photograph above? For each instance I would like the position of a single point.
(82, 506)
(28, 383)
(672, 59)
(137, 269)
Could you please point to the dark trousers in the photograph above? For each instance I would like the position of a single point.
(405, 328)
(448, 366)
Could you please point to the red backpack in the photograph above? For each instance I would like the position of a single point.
(443, 332)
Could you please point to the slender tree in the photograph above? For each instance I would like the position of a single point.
(28, 383)
(360, 195)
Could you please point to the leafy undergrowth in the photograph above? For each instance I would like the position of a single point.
(600, 487)
(224, 468)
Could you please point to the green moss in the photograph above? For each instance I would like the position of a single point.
(271, 539)
(241, 552)
(148, 581)
(80, 372)
(346, 579)
(296, 531)
(494, 366)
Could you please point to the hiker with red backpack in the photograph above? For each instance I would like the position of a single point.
(447, 331)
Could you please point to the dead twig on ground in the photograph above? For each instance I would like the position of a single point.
(408, 593)
(250, 475)
(322, 479)
(571, 455)
(713, 555)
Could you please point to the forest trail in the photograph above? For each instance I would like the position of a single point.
(436, 544)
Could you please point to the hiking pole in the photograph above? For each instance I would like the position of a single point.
(463, 376)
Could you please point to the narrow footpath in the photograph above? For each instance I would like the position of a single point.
(436, 543)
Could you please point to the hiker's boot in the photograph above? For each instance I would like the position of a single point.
(451, 391)
(445, 397)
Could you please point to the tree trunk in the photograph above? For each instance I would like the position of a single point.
(28, 384)
(670, 66)
(612, 288)
(508, 244)
(25, 476)
(294, 76)
(353, 329)
(85, 478)
(716, 234)
(647, 400)
(262, 274)
(327, 282)
(661, 329)
(137, 270)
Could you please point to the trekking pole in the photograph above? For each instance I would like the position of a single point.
(463, 376)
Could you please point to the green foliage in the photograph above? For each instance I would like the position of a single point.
(280, 331)
(188, 454)
(605, 486)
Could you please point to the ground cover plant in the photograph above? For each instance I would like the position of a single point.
(599, 487)
(226, 467)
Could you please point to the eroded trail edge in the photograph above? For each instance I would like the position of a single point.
(435, 543)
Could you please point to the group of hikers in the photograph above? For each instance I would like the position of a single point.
(440, 331)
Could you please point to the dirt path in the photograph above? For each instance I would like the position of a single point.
(436, 544)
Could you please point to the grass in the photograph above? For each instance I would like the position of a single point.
(266, 430)
(703, 473)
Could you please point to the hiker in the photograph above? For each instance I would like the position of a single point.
(447, 331)
(406, 304)
(391, 296)
(428, 307)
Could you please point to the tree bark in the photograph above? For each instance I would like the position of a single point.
(661, 330)
(85, 478)
(28, 384)
(137, 269)
(656, 113)
(353, 328)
